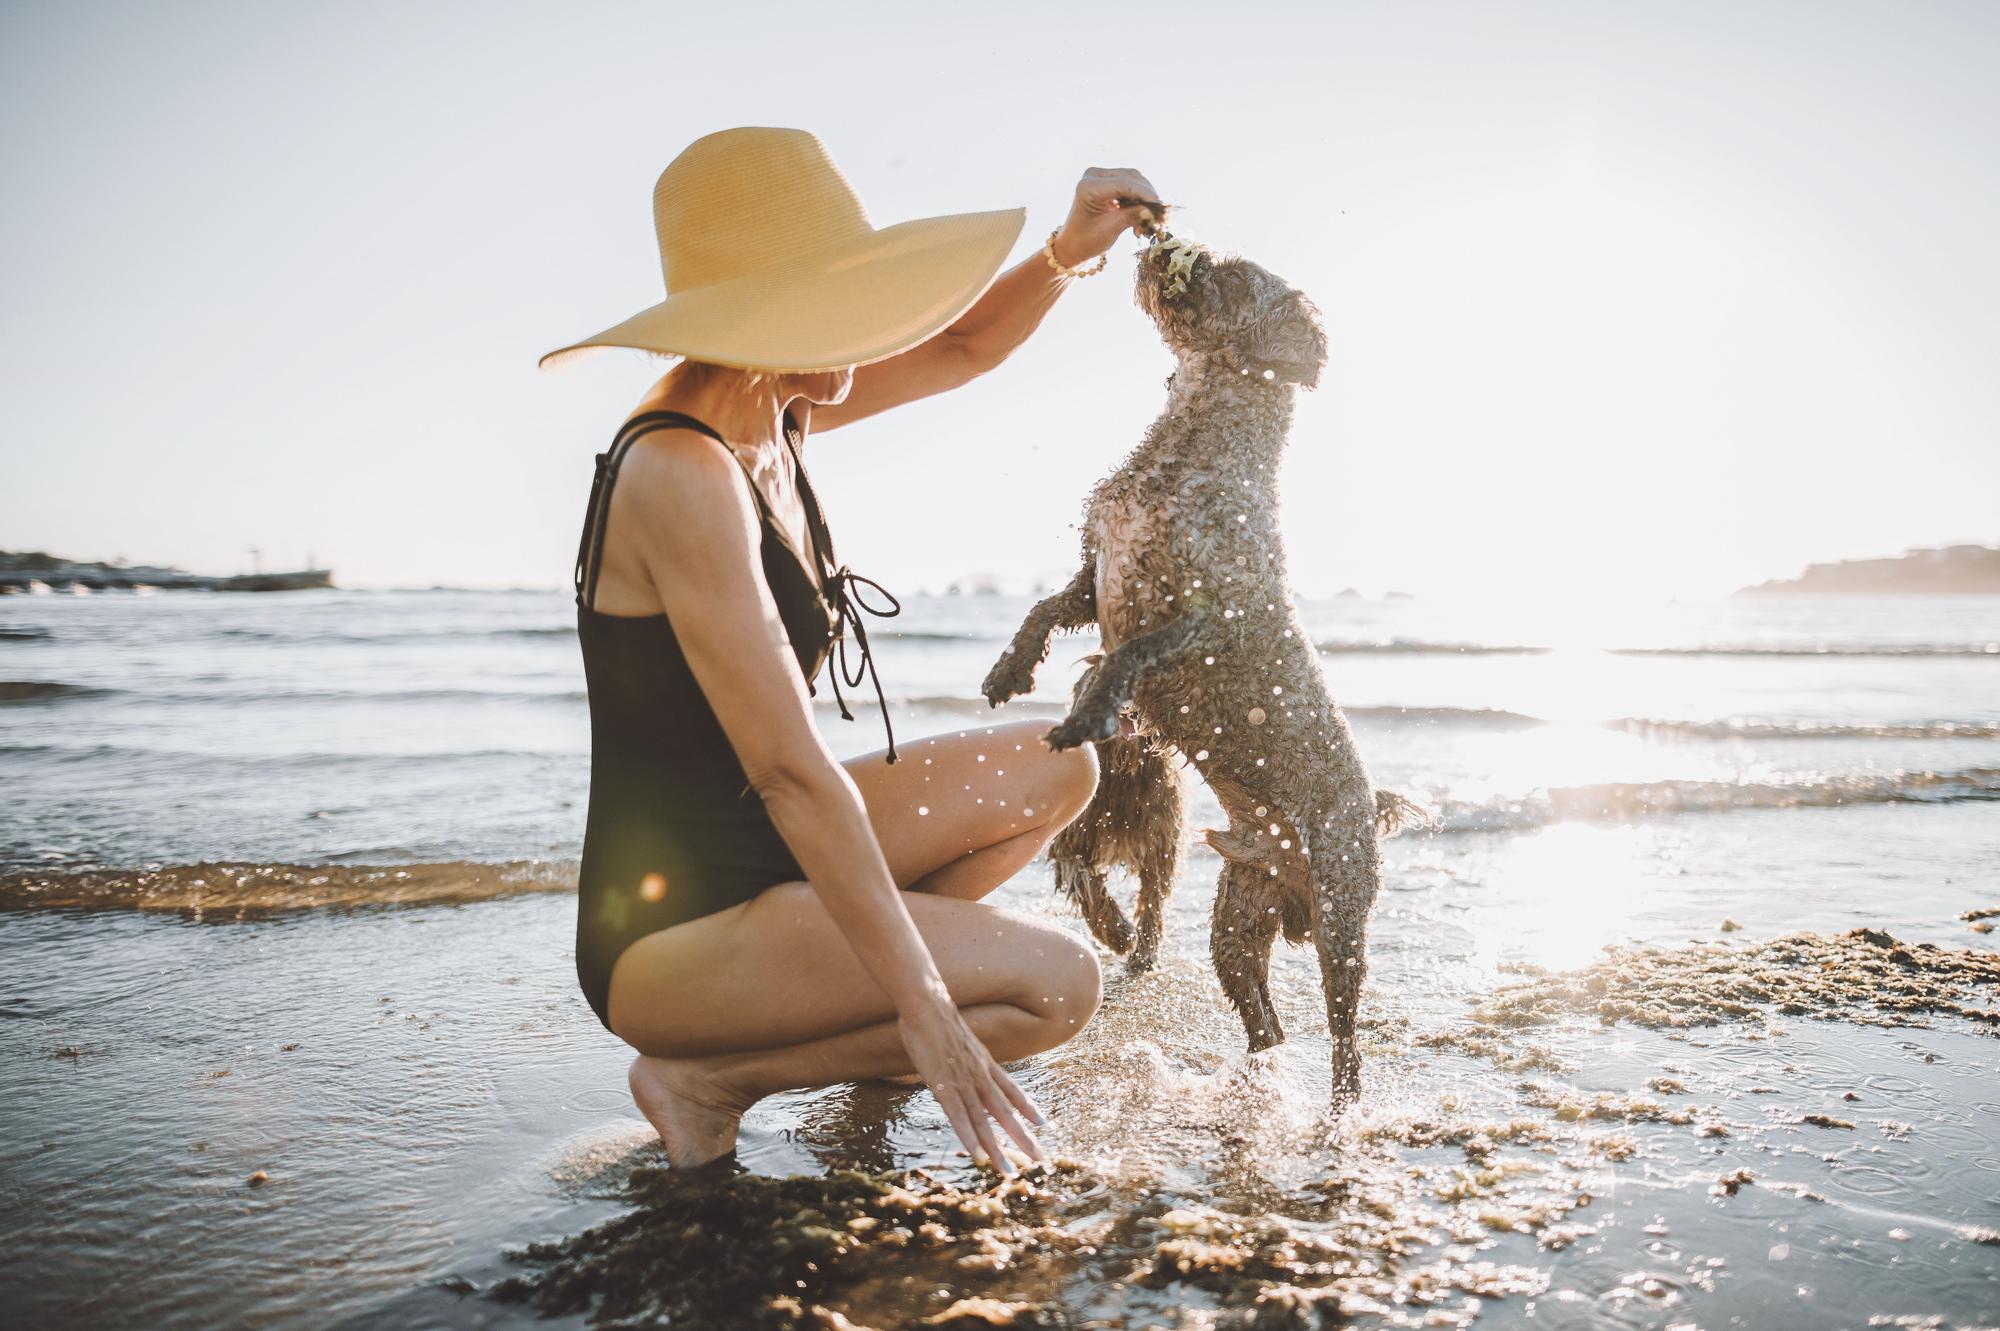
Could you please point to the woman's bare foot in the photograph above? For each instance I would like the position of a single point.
(695, 1115)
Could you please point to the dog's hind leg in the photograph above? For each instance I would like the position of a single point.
(1241, 933)
(1345, 869)
(1157, 852)
(1082, 881)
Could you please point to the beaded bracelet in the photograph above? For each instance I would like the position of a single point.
(1049, 253)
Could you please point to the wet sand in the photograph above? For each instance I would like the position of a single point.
(1760, 1126)
(1414, 1219)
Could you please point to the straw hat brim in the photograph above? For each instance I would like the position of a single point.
(864, 301)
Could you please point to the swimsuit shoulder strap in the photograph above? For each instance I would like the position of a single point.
(590, 547)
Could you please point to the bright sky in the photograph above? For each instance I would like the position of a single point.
(1667, 297)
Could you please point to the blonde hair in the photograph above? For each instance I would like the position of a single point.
(747, 381)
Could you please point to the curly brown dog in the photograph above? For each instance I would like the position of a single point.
(1184, 575)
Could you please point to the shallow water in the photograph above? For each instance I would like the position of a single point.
(425, 1090)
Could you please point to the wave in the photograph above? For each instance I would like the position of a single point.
(1991, 649)
(78, 753)
(1809, 729)
(38, 690)
(1495, 717)
(1419, 647)
(951, 704)
(241, 890)
(1415, 647)
(31, 692)
(394, 637)
(1624, 802)
(1498, 718)
(999, 634)
(9, 634)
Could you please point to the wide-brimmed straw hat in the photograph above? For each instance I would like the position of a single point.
(771, 264)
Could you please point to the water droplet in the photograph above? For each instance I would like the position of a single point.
(923, 810)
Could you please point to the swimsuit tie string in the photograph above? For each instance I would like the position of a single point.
(843, 592)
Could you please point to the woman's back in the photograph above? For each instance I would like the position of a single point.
(674, 830)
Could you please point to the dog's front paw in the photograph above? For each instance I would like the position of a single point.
(1010, 677)
(1083, 728)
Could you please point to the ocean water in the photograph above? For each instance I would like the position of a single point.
(283, 889)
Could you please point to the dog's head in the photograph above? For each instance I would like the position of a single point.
(1228, 308)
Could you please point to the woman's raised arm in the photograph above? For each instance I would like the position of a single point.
(1106, 204)
(697, 530)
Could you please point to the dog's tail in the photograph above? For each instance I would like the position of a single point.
(1398, 813)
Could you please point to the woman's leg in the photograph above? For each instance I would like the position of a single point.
(768, 996)
(960, 813)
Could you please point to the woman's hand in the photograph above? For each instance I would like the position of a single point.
(1108, 201)
(974, 1091)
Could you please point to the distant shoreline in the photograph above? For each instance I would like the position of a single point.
(22, 572)
(1957, 570)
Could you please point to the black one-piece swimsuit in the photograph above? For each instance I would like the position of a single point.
(674, 830)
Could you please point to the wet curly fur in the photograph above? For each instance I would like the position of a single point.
(1135, 820)
(1183, 572)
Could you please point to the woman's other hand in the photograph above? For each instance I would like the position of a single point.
(1108, 201)
(974, 1091)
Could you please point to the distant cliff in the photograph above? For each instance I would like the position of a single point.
(23, 570)
(1954, 570)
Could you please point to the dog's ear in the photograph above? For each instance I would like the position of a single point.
(1288, 342)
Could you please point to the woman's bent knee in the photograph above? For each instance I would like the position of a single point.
(1065, 987)
(1072, 781)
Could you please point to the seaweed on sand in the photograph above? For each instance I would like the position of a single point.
(711, 1248)
(1392, 1229)
(1863, 976)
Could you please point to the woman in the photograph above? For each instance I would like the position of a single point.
(754, 916)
